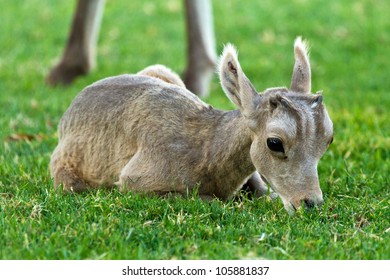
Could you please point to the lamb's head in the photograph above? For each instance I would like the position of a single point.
(291, 129)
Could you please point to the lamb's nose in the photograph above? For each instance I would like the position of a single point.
(310, 203)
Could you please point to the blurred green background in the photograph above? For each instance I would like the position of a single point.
(350, 42)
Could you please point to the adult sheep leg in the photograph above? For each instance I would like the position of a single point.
(201, 55)
(79, 56)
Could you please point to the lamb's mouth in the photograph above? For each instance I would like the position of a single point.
(265, 180)
(293, 207)
(267, 183)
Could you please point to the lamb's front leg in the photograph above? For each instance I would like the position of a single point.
(143, 174)
(132, 177)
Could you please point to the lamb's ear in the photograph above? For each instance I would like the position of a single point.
(234, 82)
(301, 77)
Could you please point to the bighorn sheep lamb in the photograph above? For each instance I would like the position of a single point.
(147, 133)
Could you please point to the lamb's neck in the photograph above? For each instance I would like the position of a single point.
(229, 151)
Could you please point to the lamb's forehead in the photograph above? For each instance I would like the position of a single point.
(295, 97)
(283, 125)
(274, 90)
(302, 111)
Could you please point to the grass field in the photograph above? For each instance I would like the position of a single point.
(350, 60)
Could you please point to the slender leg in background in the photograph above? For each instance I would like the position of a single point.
(201, 53)
(79, 56)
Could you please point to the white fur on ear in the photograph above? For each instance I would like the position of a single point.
(229, 53)
(301, 50)
(234, 83)
(301, 77)
(228, 71)
(229, 48)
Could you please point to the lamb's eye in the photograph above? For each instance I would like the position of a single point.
(331, 141)
(275, 144)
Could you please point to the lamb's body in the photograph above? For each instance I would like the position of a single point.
(147, 133)
(123, 128)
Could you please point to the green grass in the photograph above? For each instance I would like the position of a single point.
(350, 62)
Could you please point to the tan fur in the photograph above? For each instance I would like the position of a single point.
(163, 73)
(147, 135)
